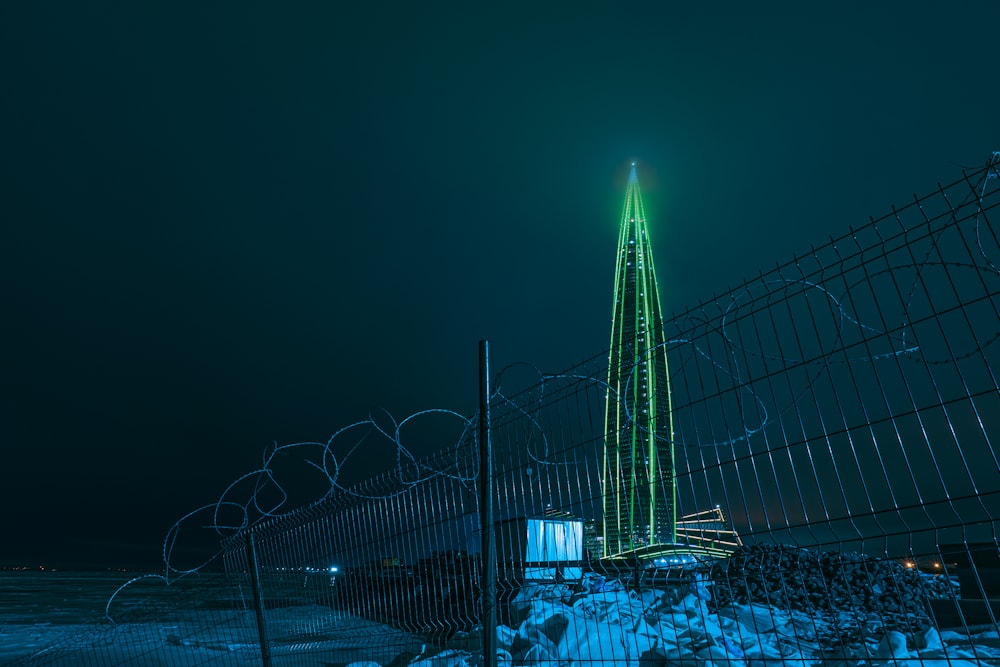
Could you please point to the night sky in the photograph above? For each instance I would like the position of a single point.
(249, 223)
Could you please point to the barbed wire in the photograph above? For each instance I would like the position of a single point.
(262, 494)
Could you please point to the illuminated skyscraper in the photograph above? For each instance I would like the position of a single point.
(638, 477)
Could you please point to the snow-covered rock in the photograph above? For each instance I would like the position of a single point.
(603, 623)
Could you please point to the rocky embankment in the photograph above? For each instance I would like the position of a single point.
(763, 607)
(831, 584)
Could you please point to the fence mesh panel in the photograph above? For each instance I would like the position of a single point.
(835, 422)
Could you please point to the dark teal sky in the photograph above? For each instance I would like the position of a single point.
(231, 225)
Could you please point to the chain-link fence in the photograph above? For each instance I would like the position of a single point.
(834, 467)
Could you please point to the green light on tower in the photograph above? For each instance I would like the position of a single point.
(638, 475)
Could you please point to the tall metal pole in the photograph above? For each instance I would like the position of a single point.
(258, 600)
(488, 581)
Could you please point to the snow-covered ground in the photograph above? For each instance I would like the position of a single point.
(596, 623)
(307, 635)
(608, 625)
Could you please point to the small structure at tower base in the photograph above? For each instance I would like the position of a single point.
(702, 535)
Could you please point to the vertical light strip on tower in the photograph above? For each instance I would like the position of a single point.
(638, 475)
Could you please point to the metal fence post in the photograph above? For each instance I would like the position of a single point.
(488, 582)
(258, 600)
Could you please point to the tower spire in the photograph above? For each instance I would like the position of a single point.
(638, 476)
